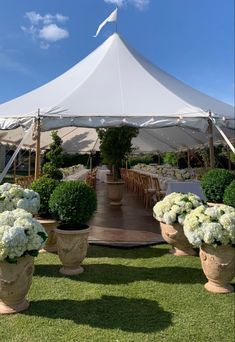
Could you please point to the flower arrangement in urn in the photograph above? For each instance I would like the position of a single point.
(21, 237)
(171, 213)
(213, 230)
(13, 196)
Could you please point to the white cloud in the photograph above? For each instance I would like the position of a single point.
(52, 33)
(45, 28)
(140, 4)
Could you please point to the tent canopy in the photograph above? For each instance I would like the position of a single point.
(112, 86)
(115, 86)
(85, 140)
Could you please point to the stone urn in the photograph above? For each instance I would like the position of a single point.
(115, 192)
(218, 265)
(174, 235)
(72, 249)
(15, 281)
(49, 226)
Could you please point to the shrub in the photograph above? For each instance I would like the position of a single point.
(74, 159)
(229, 195)
(51, 171)
(214, 183)
(44, 186)
(53, 158)
(170, 158)
(146, 159)
(115, 145)
(73, 203)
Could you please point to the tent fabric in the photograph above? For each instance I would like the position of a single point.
(75, 139)
(85, 140)
(115, 86)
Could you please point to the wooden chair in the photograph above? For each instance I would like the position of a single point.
(24, 181)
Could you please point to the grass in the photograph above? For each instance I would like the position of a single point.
(142, 294)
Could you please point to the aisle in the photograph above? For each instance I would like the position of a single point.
(129, 225)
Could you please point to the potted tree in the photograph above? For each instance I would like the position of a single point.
(44, 186)
(115, 145)
(72, 203)
(54, 158)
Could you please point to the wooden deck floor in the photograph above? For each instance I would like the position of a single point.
(129, 225)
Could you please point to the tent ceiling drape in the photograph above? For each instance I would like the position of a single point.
(113, 86)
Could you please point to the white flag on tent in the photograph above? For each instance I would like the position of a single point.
(111, 18)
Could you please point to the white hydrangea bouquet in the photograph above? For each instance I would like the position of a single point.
(211, 225)
(13, 196)
(175, 206)
(20, 234)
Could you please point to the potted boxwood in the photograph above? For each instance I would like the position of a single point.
(214, 183)
(229, 195)
(115, 145)
(44, 186)
(213, 230)
(72, 203)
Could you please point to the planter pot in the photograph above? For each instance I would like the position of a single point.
(115, 192)
(109, 177)
(218, 264)
(49, 225)
(72, 249)
(15, 281)
(174, 235)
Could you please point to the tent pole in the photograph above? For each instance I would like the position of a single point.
(90, 161)
(229, 160)
(29, 168)
(211, 142)
(188, 157)
(37, 157)
(14, 165)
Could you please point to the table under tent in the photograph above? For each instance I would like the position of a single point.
(115, 86)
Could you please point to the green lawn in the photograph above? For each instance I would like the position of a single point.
(142, 294)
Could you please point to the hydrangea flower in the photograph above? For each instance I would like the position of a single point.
(13, 196)
(211, 225)
(174, 207)
(20, 234)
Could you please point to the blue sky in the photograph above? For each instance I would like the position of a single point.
(191, 39)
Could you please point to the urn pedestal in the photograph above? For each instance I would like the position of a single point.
(49, 226)
(218, 265)
(174, 235)
(72, 249)
(15, 281)
(115, 192)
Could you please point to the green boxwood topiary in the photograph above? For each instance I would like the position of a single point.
(73, 203)
(44, 186)
(229, 195)
(51, 171)
(214, 183)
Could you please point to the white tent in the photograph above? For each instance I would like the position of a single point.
(114, 86)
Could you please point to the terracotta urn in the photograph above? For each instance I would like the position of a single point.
(174, 235)
(15, 281)
(218, 265)
(115, 192)
(72, 249)
(49, 226)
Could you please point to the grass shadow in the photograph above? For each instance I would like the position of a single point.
(108, 312)
(121, 274)
(140, 252)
